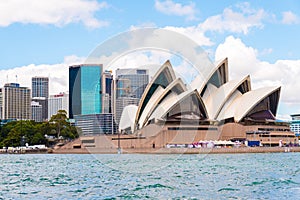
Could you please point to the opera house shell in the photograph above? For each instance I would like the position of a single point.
(212, 107)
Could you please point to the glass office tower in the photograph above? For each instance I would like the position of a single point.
(130, 85)
(131, 82)
(84, 89)
(40, 87)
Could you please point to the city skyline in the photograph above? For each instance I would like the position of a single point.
(260, 36)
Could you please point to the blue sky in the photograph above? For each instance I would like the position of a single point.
(260, 38)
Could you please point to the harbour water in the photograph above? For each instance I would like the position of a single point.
(221, 176)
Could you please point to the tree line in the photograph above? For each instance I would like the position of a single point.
(18, 133)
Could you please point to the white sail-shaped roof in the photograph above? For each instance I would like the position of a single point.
(211, 97)
(127, 117)
(163, 77)
(243, 104)
(251, 99)
(210, 90)
(216, 100)
(156, 95)
(226, 111)
(217, 75)
(163, 106)
(189, 103)
(176, 87)
(168, 104)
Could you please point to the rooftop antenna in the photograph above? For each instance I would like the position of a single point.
(6, 78)
(16, 78)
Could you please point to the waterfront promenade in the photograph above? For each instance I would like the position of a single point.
(161, 150)
(106, 145)
(179, 150)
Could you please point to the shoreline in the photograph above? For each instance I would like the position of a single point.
(234, 150)
(180, 150)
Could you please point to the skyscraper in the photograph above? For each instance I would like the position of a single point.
(36, 111)
(58, 102)
(85, 103)
(43, 102)
(131, 82)
(16, 102)
(130, 85)
(40, 93)
(84, 89)
(107, 92)
(40, 87)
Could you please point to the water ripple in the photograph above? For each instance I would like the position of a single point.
(242, 176)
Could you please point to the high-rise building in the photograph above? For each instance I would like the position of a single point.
(131, 82)
(36, 111)
(107, 92)
(84, 89)
(58, 102)
(16, 102)
(130, 85)
(40, 93)
(43, 102)
(85, 101)
(40, 87)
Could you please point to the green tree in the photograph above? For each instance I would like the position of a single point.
(18, 133)
(6, 129)
(60, 120)
(70, 132)
(38, 138)
(46, 128)
(13, 139)
(63, 127)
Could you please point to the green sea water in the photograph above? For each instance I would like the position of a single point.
(222, 176)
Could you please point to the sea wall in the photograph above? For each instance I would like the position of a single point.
(179, 150)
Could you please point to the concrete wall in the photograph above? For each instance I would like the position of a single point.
(235, 130)
(156, 137)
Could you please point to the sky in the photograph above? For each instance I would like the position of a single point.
(260, 38)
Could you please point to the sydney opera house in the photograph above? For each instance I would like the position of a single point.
(211, 107)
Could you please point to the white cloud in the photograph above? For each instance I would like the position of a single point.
(266, 51)
(143, 25)
(237, 22)
(145, 59)
(240, 21)
(194, 33)
(243, 61)
(168, 7)
(58, 74)
(56, 12)
(289, 18)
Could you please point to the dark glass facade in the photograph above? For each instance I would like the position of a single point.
(84, 88)
(131, 82)
(40, 87)
(96, 124)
